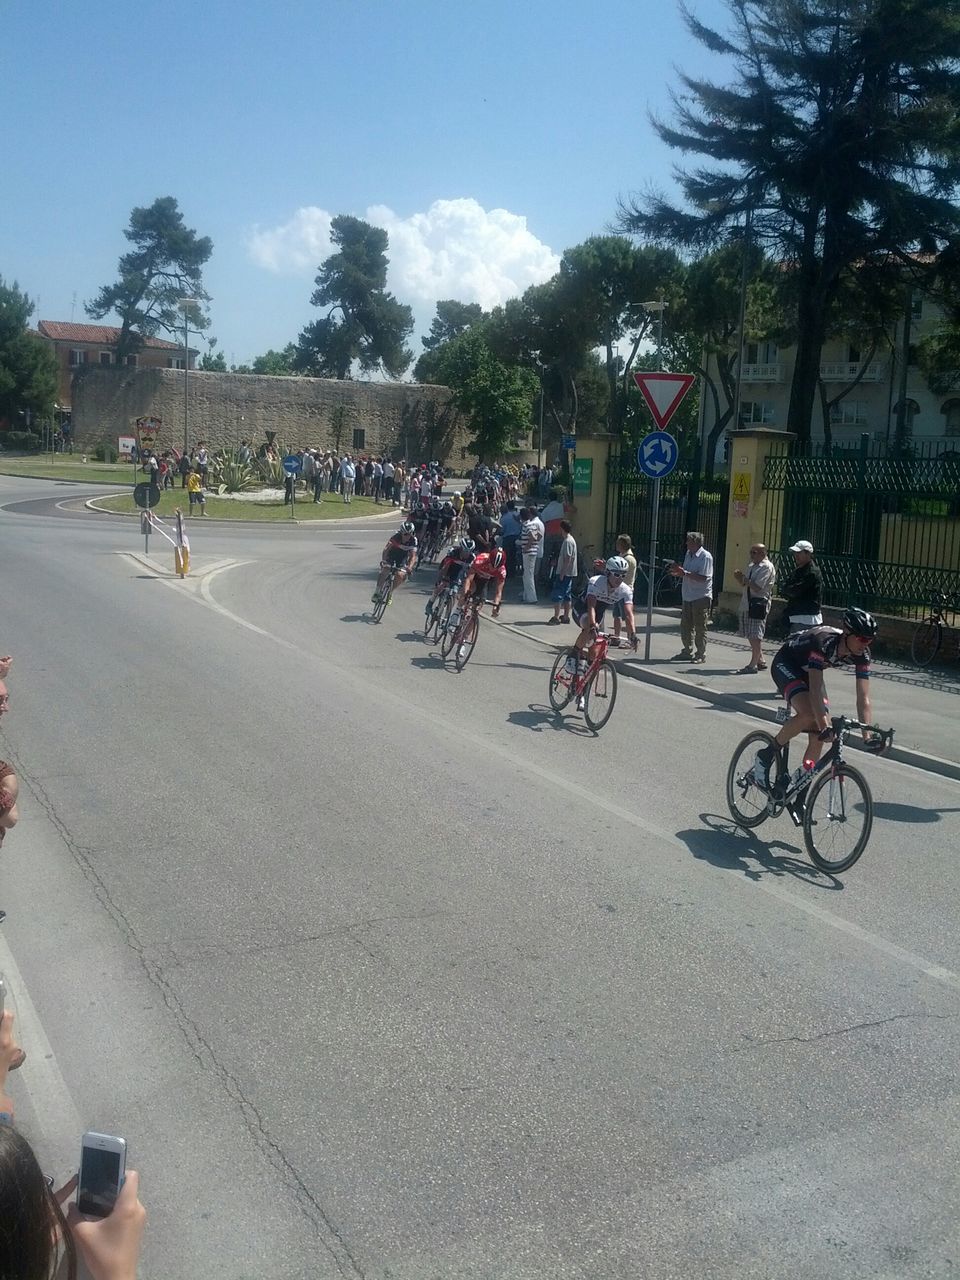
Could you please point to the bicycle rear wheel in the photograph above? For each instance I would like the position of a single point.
(926, 641)
(600, 695)
(561, 680)
(468, 642)
(837, 818)
(667, 593)
(747, 801)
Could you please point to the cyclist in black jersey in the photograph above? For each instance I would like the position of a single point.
(797, 670)
(399, 557)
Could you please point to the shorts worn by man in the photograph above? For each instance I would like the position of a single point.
(696, 597)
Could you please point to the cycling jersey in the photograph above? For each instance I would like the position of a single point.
(483, 568)
(399, 548)
(599, 587)
(813, 650)
(453, 567)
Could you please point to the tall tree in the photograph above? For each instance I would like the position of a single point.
(164, 266)
(452, 318)
(279, 364)
(28, 369)
(364, 324)
(838, 142)
(496, 396)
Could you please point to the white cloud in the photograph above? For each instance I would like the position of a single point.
(456, 249)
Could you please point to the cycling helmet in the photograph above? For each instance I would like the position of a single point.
(436, 504)
(860, 623)
(456, 493)
(617, 564)
(407, 527)
(468, 545)
(496, 558)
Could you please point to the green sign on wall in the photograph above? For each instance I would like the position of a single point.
(583, 475)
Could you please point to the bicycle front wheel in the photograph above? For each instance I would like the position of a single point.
(442, 618)
(837, 818)
(600, 695)
(451, 636)
(468, 642)
(926, 641)
(380, 608)
(747, 800)
(561, 681)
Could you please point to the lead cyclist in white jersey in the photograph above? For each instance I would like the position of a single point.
(607, 588)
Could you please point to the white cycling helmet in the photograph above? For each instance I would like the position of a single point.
(617, 564)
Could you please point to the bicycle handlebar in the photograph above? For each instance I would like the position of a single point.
(841, 726)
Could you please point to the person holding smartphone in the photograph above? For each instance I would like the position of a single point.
(35, 1231)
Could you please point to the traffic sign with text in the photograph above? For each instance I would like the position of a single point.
(663, 393)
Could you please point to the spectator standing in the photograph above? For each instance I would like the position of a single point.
(531, 544)
(377, 480)
(183, 466)
(803, 590)
(696, 596)
(510, 526)
(624, 549)
(308, 472)
(203, 462)
(348, 478)
(195, 490)
(563, 578)
(389, 471)
(757, 581)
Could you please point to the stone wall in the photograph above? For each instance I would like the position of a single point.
(412, 420)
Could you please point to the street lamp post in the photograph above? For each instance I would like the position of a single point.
(657, 307)
(185, 304)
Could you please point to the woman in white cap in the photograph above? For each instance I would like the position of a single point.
(803, 589)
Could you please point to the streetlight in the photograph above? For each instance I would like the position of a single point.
(657, 308)
(540, 371)
(184, 304)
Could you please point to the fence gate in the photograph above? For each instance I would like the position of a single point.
(687, 501)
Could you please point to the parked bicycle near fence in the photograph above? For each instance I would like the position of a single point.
(830, 800)
(929, 634)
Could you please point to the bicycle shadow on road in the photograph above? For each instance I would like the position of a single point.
(537, 718)
(894, 811)
(729, 848)
(356, 617)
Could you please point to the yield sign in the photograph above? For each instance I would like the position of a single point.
(663, 393)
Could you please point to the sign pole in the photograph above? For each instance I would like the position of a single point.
(651, 573)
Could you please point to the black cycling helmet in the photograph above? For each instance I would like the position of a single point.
(860, 623)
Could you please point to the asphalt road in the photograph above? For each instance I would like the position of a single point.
(386, 972)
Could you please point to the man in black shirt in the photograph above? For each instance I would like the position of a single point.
(803, 589)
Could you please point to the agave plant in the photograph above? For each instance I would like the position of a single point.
(235, 477)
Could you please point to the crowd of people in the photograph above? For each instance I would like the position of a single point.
(42, 1231)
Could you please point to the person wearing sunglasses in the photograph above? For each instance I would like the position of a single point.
(606, 588)
(797, 671)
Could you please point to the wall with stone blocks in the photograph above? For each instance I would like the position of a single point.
(413, 420)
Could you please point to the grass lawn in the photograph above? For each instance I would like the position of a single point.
(68, 466)
(331, 508)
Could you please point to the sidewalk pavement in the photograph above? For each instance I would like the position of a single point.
(922, 706)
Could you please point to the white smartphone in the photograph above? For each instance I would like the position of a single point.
(103, 1160)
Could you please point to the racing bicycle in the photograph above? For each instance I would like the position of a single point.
(928, 636)
(461, 639)
(441, 607)
(384, 592)
(831, 802)
(595, 690)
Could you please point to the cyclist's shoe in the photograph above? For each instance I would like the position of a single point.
(761, 766)
(581, 703)
(454, 619)
(795, 808)
(571, 667)
(375, 598)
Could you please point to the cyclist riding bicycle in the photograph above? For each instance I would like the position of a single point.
(453, 569)
(400, 555)
(447, 516)
(606, 588)
(488, 566)
(797, 671)
(457, 503)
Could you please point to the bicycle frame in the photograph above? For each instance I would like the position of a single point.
(787, 788)
(578, 682)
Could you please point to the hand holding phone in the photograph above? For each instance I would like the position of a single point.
(103, 1159)
(111, 1246)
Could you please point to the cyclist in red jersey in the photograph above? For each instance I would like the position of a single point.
(489, 566)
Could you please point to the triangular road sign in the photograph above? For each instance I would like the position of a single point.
(663, 393)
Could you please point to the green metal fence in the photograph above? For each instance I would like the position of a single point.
(687, 501)
(885, 526)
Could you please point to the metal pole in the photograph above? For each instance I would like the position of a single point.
(652, 570)
(186, 371)
(540, 433)
(744, 266)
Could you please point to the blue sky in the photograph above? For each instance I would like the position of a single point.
(486, 137)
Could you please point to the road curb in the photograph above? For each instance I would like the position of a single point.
(91, 505)
(732, 702)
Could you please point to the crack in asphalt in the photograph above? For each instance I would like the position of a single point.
(843, 1031)
(202, 1051)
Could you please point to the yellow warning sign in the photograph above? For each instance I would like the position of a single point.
(741, 486)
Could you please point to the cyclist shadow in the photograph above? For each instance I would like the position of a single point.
(407, 636)
(356, 617)
(731, 848)
(539, 718)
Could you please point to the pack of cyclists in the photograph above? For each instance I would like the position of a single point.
(797, 668)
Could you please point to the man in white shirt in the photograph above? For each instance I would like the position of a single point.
(696, 597)
(348, 476)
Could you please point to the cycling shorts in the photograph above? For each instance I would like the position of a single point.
(789, 681)
(397, 557)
